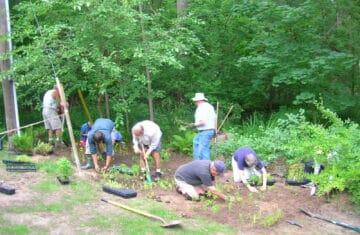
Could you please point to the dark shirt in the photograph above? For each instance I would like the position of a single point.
(195, 173)
(239, 157)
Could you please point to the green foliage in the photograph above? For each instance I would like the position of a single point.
(296, 172)
(43, 148)
(24, 158)
(23, 142)
(183, 143)
(270, 220)
(257, 180)
(64, 167)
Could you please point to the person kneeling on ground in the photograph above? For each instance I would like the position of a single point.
(193, 179)
(244, 164)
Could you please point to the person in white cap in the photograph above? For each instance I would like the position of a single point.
(205, 118)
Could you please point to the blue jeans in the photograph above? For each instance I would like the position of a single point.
(201, 145)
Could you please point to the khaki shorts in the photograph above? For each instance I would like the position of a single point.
(51, 119)
(188, 189)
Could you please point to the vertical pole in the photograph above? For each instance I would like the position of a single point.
(68, 123)
(8, 85)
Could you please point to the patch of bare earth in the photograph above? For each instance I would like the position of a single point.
(247, 216)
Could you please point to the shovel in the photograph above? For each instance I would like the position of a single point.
(147, 169)
(165, 224)
(355, 228)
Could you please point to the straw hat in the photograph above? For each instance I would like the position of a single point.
(199, 96)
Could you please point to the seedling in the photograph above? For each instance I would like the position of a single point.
(272, 219)
(64, 167)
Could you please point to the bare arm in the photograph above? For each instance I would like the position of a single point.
(216, 192)
(244, 180)
(264, 175)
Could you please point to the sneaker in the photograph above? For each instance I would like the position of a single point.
(157, 176)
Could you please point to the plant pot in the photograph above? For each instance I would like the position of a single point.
(63, 180)
(296, 182)
(268, 183)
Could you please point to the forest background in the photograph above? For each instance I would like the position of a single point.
(289, 69)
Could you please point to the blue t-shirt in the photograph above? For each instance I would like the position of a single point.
(105, 126)
(116, 136)
(239, 157)
(85, 128)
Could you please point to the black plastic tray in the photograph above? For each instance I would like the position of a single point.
(296, 183)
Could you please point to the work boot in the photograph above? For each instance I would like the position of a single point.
(157, 176)
(89, 165)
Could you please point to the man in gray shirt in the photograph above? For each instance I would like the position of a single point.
(196, 177)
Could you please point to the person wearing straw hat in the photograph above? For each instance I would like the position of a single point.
(205, 118)
(244, 164)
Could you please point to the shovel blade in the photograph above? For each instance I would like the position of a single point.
(171, 224)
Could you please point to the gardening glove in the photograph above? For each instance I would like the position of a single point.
(190, 125)
(136, 148)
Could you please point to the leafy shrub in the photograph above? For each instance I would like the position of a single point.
(183, 143)
(23, 142)
(43, 148)
(296, 172)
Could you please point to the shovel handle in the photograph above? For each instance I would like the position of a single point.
(134, 210)
(147, 169)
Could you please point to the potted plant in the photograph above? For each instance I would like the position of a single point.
(64, 170)
(296, 175)
(255, 180)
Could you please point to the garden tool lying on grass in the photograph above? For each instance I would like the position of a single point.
(165, 224)
(355, 228)
(147, 169)
(294, 223)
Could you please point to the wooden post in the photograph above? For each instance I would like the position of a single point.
(68, 123)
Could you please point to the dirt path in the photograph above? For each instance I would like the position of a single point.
(248, 215)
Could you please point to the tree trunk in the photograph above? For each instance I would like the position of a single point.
(7, 84)
(147, 70)
(181, 6)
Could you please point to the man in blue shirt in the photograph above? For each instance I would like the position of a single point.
(100, 133)
(85, 128)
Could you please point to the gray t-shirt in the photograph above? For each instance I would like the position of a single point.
(195, 173)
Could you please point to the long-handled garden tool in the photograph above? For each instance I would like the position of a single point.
(355, 228)
(147, 169)
(165, 224)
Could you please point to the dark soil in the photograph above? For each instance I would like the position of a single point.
(251, 213)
